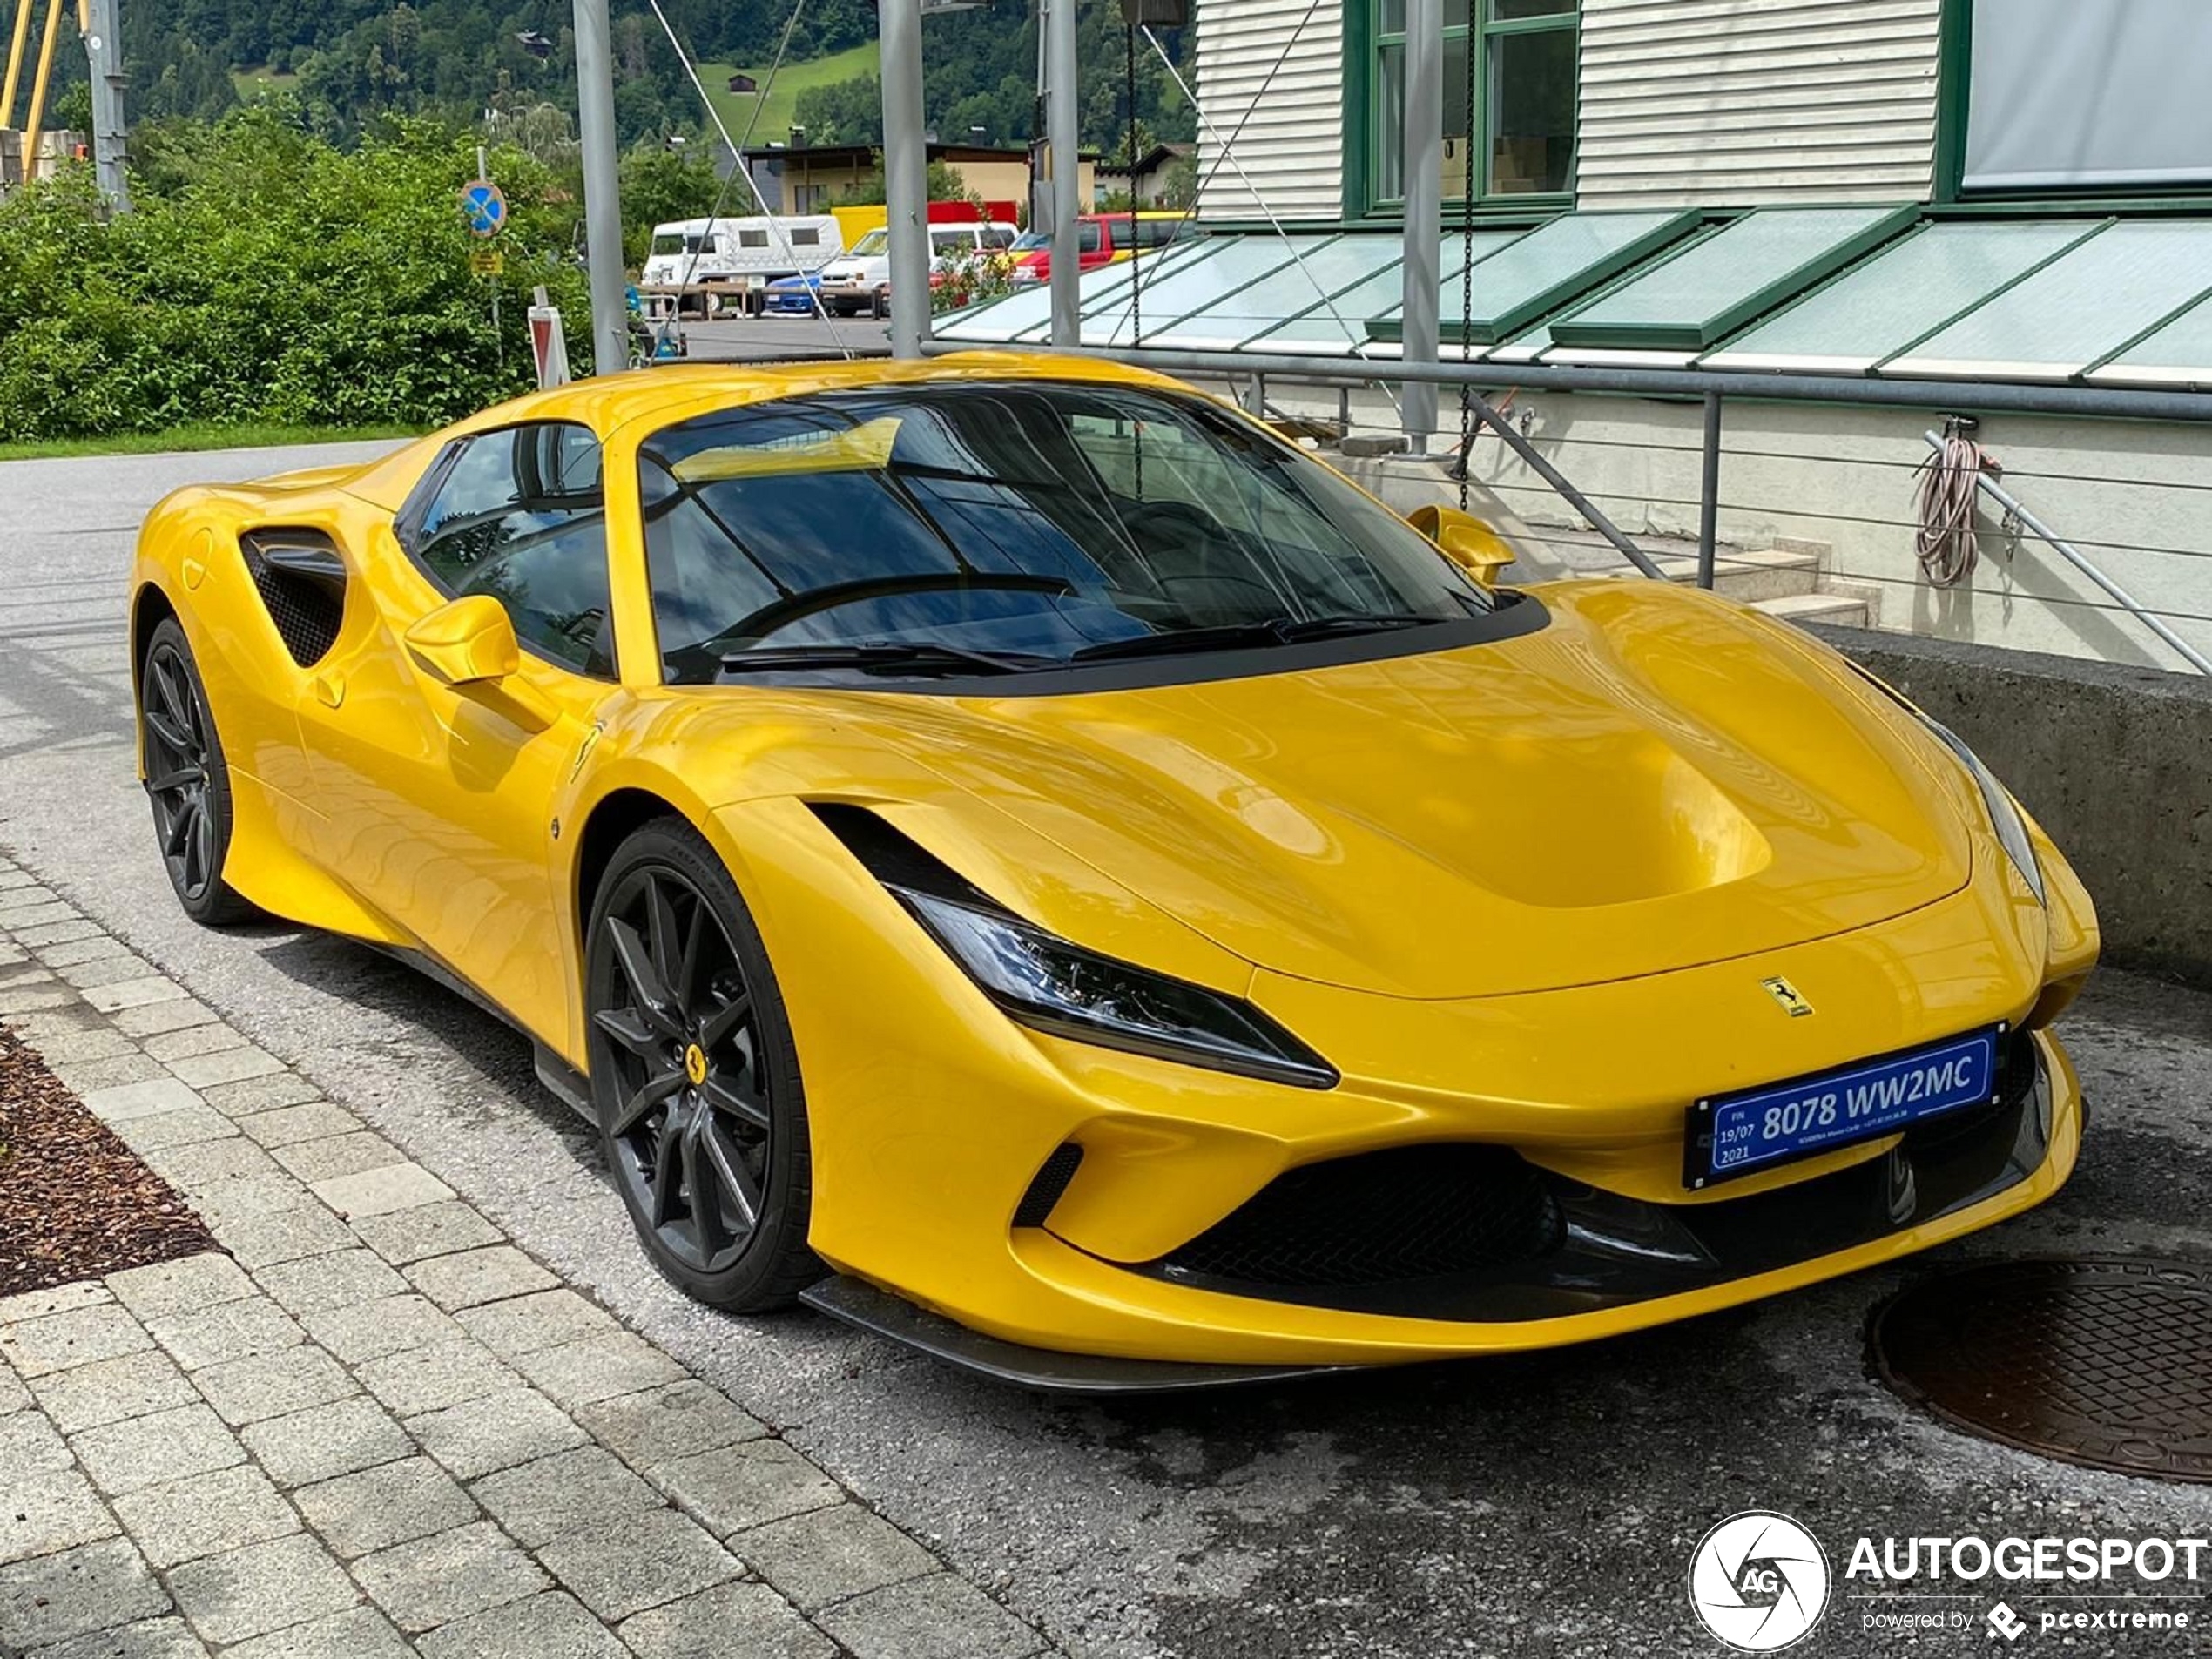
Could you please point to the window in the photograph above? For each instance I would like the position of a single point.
(1089, 237)
(805, 236)
(752, 239)
(2104, 95)
(998, 236)
(944, 242)
(1031, 520)
(1522, 111)
(519, 515)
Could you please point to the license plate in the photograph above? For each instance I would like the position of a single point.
(1735, 1135)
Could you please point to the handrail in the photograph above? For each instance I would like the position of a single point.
(2080, 561)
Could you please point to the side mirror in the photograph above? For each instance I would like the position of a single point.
(1464, 540)
(469, 644)
(466, 642)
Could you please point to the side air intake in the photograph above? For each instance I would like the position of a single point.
(301, 580)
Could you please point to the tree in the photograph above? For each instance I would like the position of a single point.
(659, 185)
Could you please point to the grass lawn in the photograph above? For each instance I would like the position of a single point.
(178, 438)
(248, 82)
(736, 108)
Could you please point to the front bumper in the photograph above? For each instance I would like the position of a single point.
(934, 1119)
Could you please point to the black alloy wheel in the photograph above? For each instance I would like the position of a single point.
(186, 780)
(693, 1075)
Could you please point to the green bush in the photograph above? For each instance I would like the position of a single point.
(268, 277)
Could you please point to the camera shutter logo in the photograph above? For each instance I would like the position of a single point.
(1758, 1581)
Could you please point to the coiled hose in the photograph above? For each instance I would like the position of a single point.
(1946, 541)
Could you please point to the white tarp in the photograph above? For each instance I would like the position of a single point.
(2099, 92)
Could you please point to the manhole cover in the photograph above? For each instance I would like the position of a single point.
(2102, 1362)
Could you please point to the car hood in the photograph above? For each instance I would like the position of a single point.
(1654, 780)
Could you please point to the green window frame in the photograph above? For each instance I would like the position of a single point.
(1374, 36)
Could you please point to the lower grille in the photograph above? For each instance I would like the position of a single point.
(1051, 1180)
(1382, 1218)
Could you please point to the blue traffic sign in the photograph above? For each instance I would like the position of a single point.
(484, 207)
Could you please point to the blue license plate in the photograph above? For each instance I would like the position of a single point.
(1733, 1135)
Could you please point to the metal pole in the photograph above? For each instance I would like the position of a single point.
(595, 88)
(1423, 162)
(905, 172)
(38, 78)
(104, 47)
(2080, 561)
(1709, 499)
(1559, 481)
(15, 61)
(1067, 168)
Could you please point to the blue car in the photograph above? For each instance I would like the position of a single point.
(794, 296)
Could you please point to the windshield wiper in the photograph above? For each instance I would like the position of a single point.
(884, 658)
(1276, 631)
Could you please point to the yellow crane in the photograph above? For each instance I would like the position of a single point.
(18, 40)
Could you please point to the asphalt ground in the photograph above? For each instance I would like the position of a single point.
(1541, 1505)
(763, 339)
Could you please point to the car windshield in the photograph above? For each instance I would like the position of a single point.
(1040, 521)
(875, 242)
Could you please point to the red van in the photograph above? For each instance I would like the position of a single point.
(1101, 239)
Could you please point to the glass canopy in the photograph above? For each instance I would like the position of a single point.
(2179, 354)
(1826, 291)
(1687, 301)
(2092, 302)
(1905, 293)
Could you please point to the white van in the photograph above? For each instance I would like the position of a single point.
(698, 265)
(861, 280)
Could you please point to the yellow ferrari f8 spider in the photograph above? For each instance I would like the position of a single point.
(1012, 850)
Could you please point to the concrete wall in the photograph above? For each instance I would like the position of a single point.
(2116, 763)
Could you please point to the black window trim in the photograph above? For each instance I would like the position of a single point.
(407, 526)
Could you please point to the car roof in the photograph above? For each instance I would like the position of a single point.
(676, 392)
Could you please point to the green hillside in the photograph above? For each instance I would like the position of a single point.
(736, 109)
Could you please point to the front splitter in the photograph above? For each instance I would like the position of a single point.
(1045, 1369)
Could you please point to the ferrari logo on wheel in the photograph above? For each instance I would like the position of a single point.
(1786, 993)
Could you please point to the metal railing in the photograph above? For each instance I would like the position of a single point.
(2018, 514)
(1711, 387)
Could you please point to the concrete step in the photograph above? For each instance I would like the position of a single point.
(1841, 609)
(1749, 575)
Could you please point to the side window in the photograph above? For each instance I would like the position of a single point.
(520, 515)
(1088, 239)
(997, 236)
(806, 236)
(752, 239)
(943, 242)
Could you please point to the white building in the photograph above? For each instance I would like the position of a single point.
(1986, 191)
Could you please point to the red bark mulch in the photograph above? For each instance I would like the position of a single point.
(75, 1202)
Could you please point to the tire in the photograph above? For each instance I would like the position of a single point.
(188, 781)
(695, 1076)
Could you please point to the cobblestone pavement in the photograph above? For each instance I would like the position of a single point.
(376, 1427)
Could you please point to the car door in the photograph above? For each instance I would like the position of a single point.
(437, 799)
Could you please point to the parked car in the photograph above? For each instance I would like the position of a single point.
(861, 280)
(1101, 239)
(1015, 853)
(793, 296)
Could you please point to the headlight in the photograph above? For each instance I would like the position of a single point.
(2012, 834)
(1053, 986)
(2004, 816)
